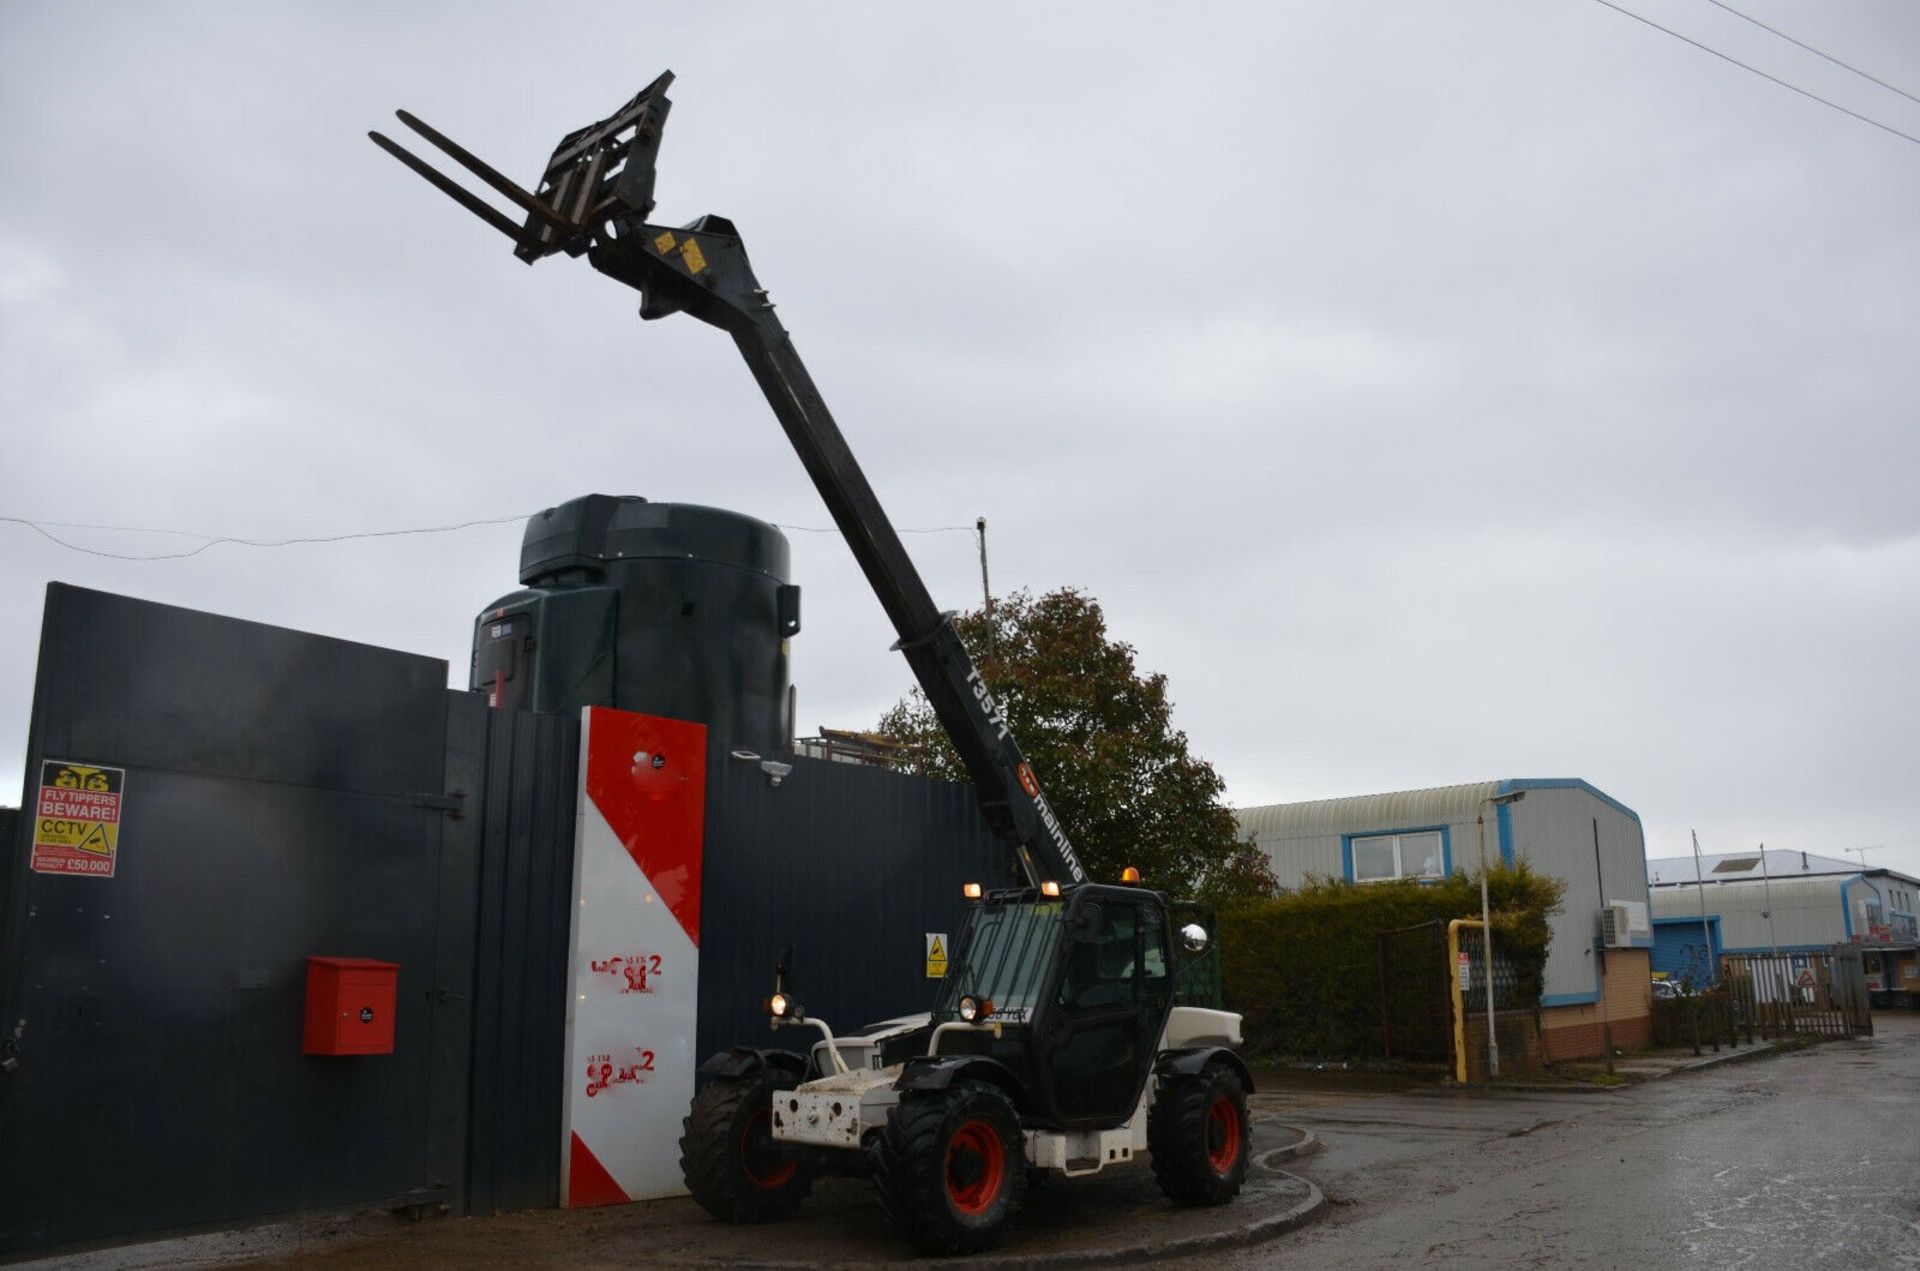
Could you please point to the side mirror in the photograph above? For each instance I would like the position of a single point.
(1193, 938)
(1086, 923)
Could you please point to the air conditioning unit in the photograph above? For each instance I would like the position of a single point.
(1621, 921)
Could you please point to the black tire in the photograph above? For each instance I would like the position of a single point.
(1199, 1136)
(727, 1155)
(951, 1166)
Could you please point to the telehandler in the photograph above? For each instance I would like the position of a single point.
(1055, 1044)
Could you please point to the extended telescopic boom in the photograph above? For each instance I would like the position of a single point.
(593, 200)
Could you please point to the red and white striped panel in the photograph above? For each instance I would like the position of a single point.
(632, 1003)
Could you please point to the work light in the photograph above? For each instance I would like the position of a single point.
(974, 1009)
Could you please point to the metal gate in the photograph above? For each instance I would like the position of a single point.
(1822, 994)
(274, 795)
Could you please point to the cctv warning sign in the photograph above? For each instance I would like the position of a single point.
(76, 823)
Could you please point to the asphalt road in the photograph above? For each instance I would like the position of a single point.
(1799, 1160)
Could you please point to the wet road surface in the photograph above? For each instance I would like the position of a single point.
(1798, 1160)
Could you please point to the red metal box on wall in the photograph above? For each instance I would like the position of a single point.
(350, 1004)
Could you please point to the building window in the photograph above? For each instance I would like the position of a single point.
(1380, 857)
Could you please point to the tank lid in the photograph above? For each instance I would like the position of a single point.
(595, 530)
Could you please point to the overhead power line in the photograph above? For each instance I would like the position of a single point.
(214, 540)
(1725, 57)
(45, 530)
(834, 529)
(1747, 17)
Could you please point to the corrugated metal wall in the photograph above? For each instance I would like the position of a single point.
(524, 857)
(852, 865)
(1553, 828)
(1808, 913)
(1306, 839)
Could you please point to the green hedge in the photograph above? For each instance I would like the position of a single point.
(1303, 969)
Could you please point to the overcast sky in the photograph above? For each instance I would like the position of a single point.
(1434, 392)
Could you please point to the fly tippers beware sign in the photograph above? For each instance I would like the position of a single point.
(76, 820)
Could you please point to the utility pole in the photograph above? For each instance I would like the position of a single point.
(986, 591)
(1706, 948)
(1700, 881)
(1600, 951)
(1486, 919)
(1767, 880)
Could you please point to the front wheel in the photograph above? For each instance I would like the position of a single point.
(1199, 1136)
(950, 1167)
(729, 1159)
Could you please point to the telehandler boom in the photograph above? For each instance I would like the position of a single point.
(594, 199)
(1055, 1044)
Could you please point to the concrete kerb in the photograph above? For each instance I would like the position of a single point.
(1272, 1225)
(1266, 1227)
(1783, 1046)
(1253, 1233)
(1306, 1145)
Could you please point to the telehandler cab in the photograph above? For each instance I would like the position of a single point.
(1055, 1043)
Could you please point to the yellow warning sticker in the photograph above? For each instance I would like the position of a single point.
(664, 243)
(936, 955)
(76, 824)
(97, 841)
(695, 258)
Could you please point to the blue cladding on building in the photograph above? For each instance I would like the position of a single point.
(1683, 953)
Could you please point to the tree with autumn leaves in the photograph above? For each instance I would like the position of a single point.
(1099, 734)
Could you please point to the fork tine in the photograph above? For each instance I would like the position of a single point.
(460, 155)
(448, 187)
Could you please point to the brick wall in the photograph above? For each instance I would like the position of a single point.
(1577, 1032)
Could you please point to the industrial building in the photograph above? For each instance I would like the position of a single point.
(1778, 900)
(1562, 827)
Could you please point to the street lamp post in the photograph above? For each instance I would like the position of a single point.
(1486, 918)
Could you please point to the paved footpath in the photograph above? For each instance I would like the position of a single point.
(1804, 1159)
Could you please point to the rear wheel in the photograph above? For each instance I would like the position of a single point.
(1199, 1136)
(950, 1167)
(728, 1156)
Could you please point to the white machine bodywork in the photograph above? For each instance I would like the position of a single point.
(839, 1111)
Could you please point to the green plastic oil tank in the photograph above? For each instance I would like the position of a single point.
(664, 608)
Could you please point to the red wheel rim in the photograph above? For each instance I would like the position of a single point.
(976, 1167)
(1223, 1135)
(758, 1160)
